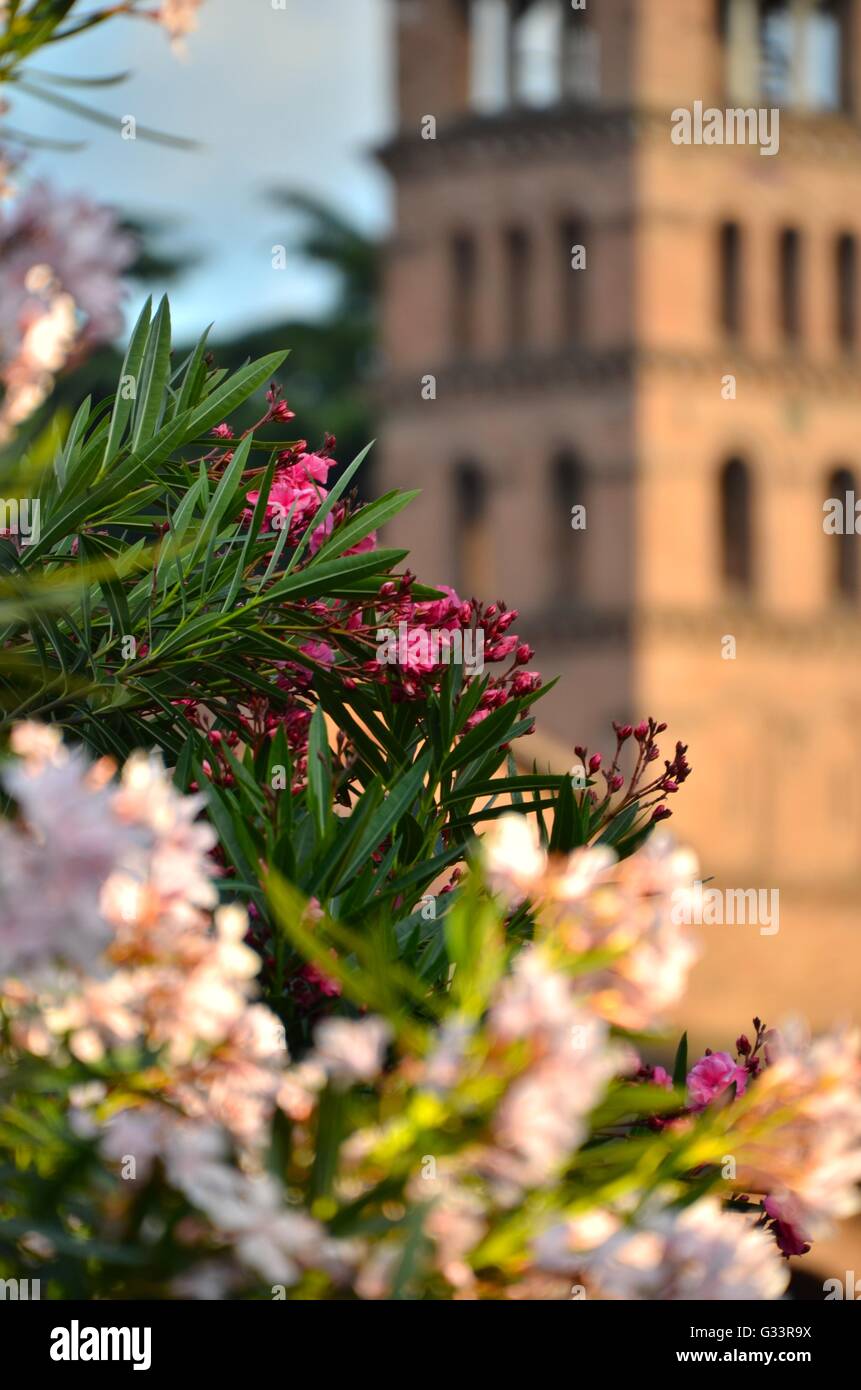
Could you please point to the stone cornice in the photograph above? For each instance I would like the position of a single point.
(592, 371)
(541, 372)
(591, 132)
(831, 630)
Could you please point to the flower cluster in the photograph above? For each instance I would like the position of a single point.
(646, 792)
(592, 903)
(347, 640)
(700, 1252)
(793, 1107)
(502, 1130)
(417, 641)
(61, 261)
(179, 17)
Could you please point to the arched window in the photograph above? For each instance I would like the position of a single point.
(568, 530)
(518, 259)
(464, 279)
(572, 280)
(473, 560)
(845, 570)
(536, 51)
(490, 76)
(789, 265)
(789, 53)
(736, 525)
(846, 269)
(581, 58)
(730, 278)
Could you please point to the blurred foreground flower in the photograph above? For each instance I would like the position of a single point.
(591, 903)
(488, 1150)
(701, 1252)
(180, 17)
(61, 259)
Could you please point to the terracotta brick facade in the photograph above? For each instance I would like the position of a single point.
(627, 378)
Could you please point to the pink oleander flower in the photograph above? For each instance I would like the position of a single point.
(456, 1222)
(590, 902)
(702, 1253)
(61, 261)
(296, 495)
(513, 858)
(319, 651)
(711, 1076)
(179, 17)
(786, 1225)
(542, 1118)
(118, 888)
(55, 861)
(321, 982)
(247, 1211)
(797, 1130)
(299, 1090)
(352, 1050)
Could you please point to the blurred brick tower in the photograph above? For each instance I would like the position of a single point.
(695, 386)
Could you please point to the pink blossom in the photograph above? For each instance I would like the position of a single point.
(798, 1131)
(352, 1050)
(786, 1219)
(701, 1252)
(711, 1076)
(61, 259)
(179, 17)
(319, 651)
(324, 984)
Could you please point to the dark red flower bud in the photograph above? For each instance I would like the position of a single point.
(524, 654)
(742, 1045)
(594, 762)
(661, 813)
(641, 731)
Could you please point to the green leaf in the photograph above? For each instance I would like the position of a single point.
(154, 376)
(369, 519)
(319, 773)
(223, 497)
(399, 799)
(130, 369)
(680, 1065)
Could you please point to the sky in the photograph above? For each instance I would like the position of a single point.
(296, 97)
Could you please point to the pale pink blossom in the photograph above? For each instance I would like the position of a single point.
(179, 17)
(514, 861)
(61, 261)
(711, 1076)
(797, 1130)
(701, 1253)
(542, 1119)
(55, 859)
(352, 1050)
